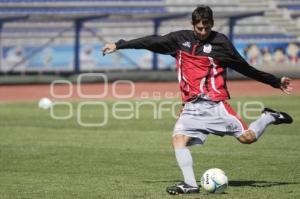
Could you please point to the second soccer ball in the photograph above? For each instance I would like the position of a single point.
(45, 103)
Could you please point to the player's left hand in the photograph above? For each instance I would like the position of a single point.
(286, 85)
(109, 48)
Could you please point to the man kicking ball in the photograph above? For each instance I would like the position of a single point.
(202, 57)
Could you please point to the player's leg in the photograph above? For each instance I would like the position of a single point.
(186, 133)
(258, 127)
(184, 158)
(185, 162)
(248, 137)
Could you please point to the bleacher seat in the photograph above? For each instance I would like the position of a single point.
(128, 19)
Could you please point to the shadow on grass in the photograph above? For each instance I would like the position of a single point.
(235, 183)
(161, 181)
(257, 183)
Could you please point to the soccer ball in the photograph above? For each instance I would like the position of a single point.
(214, 181)
(45, 103)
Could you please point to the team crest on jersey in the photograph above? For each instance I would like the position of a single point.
(187, 44)
(207, 48)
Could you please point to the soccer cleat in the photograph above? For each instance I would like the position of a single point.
(280, 117)
(182, 188)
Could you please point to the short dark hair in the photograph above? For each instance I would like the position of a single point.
(203, 13)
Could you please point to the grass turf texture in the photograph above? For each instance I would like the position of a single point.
(45, 158)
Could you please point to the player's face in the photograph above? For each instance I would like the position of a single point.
(202, 30)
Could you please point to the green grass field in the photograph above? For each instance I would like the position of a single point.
(41, 157)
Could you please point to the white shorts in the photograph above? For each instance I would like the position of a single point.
(200, 118)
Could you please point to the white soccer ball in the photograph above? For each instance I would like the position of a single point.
(214, 181)
(45, 103)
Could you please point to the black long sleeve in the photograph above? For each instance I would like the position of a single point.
(184, 40)
(160, 44)
(235, 61)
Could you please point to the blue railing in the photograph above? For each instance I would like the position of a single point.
(55, 1)
(263, 36)
(87, 10)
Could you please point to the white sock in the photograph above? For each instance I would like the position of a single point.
(259, 126)
(185, 162)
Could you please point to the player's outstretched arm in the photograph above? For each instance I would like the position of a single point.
(286, 85)
(235, 61)
(109, 48)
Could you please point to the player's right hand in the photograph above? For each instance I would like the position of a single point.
(109, 48)
(286, 85)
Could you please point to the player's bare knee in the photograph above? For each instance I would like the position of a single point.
(245, 140)
(248, 137)
(179, 141)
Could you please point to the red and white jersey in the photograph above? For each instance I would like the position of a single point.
(200, 76)
(201, 64)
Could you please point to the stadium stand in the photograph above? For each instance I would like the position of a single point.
(46, 32)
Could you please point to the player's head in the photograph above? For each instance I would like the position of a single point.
(202, 21)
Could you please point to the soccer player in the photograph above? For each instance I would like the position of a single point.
(202, 57)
